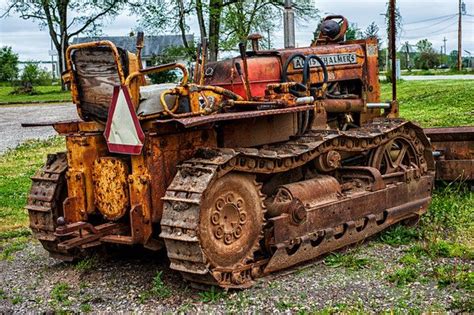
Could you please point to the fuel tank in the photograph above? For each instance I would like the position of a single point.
(344, 62)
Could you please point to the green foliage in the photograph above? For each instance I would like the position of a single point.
(403, 276)
(86, 264)
(427, 60)
(8, 64)
(442, 249)
(450, 215)
(60, 293)
(170, 54)
(348, 260)
(13, 247)
(399, 235)
(353, 32)
(463, 304)
(159, 287)
(31, 76)
(454, 274)
(85, 308)
(410, 260)
(212, 295)
(5, 235)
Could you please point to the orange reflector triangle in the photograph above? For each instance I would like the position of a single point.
(123, 131)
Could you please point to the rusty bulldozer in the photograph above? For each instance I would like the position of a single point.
(258, 163)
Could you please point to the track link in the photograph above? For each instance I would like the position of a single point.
(180, 222)
(44, 205)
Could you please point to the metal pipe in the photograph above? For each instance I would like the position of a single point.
(379, 105)
(344, 106)
(289, 24)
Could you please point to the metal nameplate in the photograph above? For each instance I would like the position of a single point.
(329, 60)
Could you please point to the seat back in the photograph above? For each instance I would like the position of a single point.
(96, 72)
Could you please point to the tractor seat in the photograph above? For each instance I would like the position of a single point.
(150, 99)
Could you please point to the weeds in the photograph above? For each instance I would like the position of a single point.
(212, 295)
(403, 276)
(60, 293)
(450, 216)
(454, 274)
(15, 246)
(159, 287)
(85, 308)
(86, 264)
(349, 261)
(399, 235)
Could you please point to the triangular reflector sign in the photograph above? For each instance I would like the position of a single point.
(123, 131)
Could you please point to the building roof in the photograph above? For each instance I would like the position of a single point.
(154, 45)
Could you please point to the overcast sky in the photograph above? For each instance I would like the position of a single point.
(31, 43)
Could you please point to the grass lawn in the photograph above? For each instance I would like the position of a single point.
(45, 94)
(16, 167)
(435, 103)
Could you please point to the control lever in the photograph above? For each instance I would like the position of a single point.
(243, 55)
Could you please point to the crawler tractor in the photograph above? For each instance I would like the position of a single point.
(256, 164)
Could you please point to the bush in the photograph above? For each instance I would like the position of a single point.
(32, 76)
(8, 65)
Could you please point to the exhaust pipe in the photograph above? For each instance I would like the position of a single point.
(289, 24)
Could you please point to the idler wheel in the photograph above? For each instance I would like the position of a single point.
(231, 220)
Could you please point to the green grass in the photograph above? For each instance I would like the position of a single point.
(16, 167)
(346, 260)
(438, 72)
(435, 103)
(44, 94)
(212, 295)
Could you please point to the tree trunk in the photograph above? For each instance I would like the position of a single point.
(215, 10)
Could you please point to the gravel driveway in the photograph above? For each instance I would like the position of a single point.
(32, 282)
(11, 118)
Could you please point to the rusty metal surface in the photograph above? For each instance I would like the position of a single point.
(455, 152)
(202, 120)
(45, 203)
(329, 224)
(110, 182)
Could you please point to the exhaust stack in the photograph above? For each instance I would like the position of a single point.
(289, 24)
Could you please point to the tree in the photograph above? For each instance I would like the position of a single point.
(424, 46)
(353, 32)
(372, 31)
(32, 75)
(427, 57)
(222, 22)
(8, 65)
(65, 18)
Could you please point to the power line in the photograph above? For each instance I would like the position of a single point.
(432, 19)
(438, 23)
(432, 33)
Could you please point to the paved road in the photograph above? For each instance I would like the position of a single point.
(437, 77)
(433, 77)
(11, 117)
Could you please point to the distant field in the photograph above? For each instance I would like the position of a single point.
(45, 94)
(435, 103)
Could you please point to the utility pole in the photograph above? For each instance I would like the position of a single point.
(460, 36)
(393, 47)
(289, 24)
(445, 40)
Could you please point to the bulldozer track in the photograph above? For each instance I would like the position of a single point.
(181, 215)
(45, 203)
